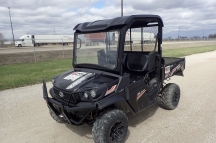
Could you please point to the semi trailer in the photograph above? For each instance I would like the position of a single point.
(39, 40)
(135, 37)
(94, 39)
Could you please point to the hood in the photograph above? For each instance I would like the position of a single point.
(76, 81)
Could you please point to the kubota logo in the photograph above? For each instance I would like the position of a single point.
(61, 94)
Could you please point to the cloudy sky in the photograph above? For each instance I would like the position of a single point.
(188, 17)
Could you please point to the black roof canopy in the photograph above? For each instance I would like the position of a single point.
(117, 22)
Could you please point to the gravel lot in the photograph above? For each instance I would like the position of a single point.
(24, 116)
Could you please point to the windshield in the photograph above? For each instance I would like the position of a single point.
(97, 48)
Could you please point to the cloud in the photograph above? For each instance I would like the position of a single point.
(43, 16)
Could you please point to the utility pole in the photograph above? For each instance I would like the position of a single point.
(121, 7)
(203, 34)
(54, 32)
(178, 32)
(11, 25)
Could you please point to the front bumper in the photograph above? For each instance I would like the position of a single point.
(66, 109)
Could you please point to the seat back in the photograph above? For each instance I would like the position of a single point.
(140, 62)
(101, 57)
(137, 62)
(151, 60)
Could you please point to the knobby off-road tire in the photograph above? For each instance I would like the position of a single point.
(57, 118)
(110, 127)
(170, 96)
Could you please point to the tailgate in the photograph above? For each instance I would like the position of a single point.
(173, 66)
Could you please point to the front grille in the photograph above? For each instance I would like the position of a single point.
(66, 97)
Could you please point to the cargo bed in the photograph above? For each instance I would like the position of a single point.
(173, 66)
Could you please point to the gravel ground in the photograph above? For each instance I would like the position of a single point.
(24, 116)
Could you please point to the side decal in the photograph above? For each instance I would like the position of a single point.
(140, 94)
(169, 73)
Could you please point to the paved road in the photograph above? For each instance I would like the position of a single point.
(59, 47)
(24, 116)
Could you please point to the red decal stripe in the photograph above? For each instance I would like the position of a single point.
(140, 95)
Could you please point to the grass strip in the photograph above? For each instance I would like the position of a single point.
(181, 52)
(18, 75)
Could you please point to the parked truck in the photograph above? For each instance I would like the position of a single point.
(135, 37)
(39, 40)
(94, 38)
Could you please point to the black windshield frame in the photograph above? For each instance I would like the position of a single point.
(115, 70)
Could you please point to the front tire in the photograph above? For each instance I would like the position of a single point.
(111, 127)
(170, 96)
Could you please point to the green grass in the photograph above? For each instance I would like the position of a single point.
(17, 75)
(187, 51)
(12, 76)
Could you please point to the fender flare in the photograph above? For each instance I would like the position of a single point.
(111, 100)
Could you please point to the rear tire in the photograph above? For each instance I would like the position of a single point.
(56, 118)
(110, 127)
(19, 45)
(170, 96)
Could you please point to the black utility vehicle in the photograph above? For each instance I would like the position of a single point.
(112, 77)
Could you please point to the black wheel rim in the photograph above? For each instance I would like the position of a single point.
(116, 131)
(176, 98)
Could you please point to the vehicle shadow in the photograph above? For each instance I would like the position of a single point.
(84, 130)
(134, 120)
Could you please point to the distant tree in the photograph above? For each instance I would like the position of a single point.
(183, 37)
(212, 35)
(196, 37)
(2, 39)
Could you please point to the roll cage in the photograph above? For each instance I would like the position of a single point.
(122, 24)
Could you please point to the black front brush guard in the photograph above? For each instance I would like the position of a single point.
(66, 109)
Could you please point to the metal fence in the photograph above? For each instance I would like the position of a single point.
(189, 39)
(12, 55)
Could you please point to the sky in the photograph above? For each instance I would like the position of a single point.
(180, 17)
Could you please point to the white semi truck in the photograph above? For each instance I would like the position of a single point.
(135, 37)
(39, 40)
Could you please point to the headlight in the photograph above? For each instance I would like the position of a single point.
(93, 93)
(96, 92)
(88, 95)
(84, 96)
